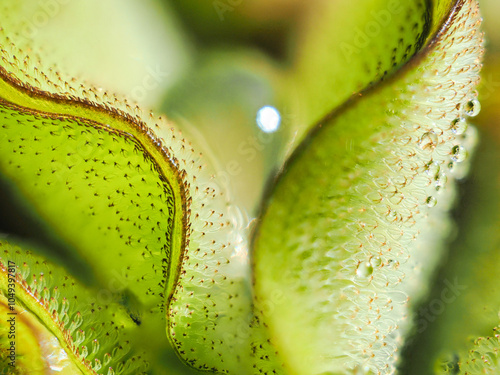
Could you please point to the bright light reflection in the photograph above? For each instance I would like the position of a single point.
(268, 119)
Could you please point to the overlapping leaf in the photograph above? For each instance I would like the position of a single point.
(364, 205)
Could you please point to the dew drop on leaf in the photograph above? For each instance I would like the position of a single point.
(458, 153)
(432, 169)
(364, 269)
(473, 108)
(459, 126)
(428, 141)
(441, 180)
(431, 201)
(376, 262)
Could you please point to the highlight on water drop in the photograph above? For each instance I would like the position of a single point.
(268, 119)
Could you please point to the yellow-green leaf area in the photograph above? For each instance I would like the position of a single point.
(99, 190)
(356, 221)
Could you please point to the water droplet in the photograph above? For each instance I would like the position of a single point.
(432, 169)
(431, 201)
(451, 166)
(441, 181)
(459, 126)
(458, 153)
(428, 141)
(473, 108)
(376, 262)
(364, 269)
(268, 119)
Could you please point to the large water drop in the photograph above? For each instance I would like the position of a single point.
(364, 269)
(428, 141)
(473, 108)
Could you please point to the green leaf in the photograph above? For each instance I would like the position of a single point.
(65, 161)
(450, 316)
(343, 48)
(50, 322)
(355, 223)
(125, 194)
(482, 357)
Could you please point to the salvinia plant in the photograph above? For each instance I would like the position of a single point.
(131, 249)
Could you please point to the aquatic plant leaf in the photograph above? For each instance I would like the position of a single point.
(124, 193)
(355, 223)
(482, 357)
(52, 324)
(345, 47)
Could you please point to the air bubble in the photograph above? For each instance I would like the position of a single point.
(376, 262)
(432, 169)
(441, 181)
(428, 141)
(364, 269)
(459, 126)
(473, 108)
(431, 201)
(458, 153)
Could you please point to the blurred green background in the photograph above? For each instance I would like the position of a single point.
(210, 65)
